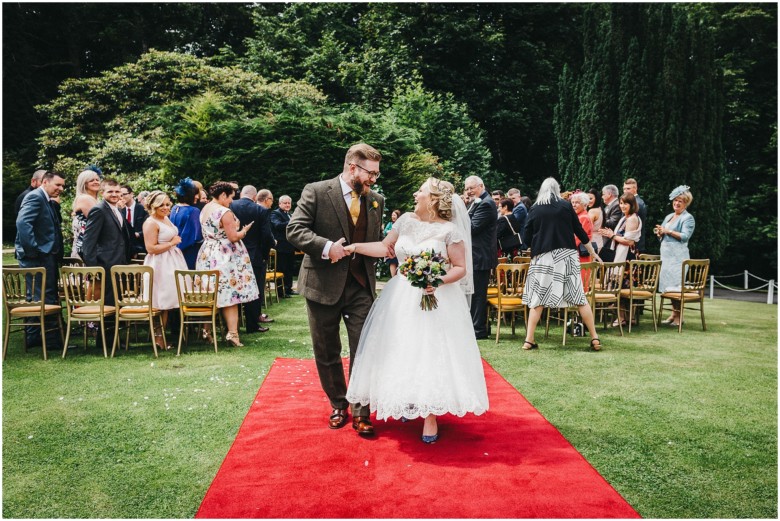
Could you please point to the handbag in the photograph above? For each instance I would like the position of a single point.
(510, 242)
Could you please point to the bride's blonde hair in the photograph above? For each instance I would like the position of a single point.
(441, 198)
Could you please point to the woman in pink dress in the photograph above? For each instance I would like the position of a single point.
(160, 238)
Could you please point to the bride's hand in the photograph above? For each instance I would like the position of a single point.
(349, 249)
(429, 290)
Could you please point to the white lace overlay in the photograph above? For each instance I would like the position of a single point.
(412, 362)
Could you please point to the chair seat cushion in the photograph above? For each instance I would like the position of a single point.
(677, 295)
(93, 310)
(196, 309)
(637, 293)
(137, 310)
(507, 301)
(492, 291)
(605, 297)
(25, 310)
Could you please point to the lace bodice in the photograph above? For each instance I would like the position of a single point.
(415, 236)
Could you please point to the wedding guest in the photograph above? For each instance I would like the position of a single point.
(507, 229)
(185, 216)
(518, 210)
(612, 213)
(623, 241)
(596, 214)
(285, 252)
(39, 244)
(224, 250)
(161, 238)
(630, 187)
(674, 232)
(258, 242)
(87, 190)
(484, 249)
(554, 279)
(35, 182)
(579, 202)
(422, 363)
(136, 215)
(392, 262)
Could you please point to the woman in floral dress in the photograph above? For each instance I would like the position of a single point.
(223, 250)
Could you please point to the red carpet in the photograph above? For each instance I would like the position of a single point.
(507, 463)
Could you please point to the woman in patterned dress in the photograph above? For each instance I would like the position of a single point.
(553, 279)
(223, 250)
(87, 189)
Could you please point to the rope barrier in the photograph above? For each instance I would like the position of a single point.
(770, 284)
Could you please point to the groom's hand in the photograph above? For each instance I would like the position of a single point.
(337, 251)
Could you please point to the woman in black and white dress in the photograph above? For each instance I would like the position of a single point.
(554, 275)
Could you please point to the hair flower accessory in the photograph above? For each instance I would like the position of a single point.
(184, 187)
(95, 169)
(677, 192)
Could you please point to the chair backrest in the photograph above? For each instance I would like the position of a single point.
(133, 285)
(644, 275)
(197, 288)
(84, 286)
(21, 285)
(590, 270)
(609, 277)
(510, 278)
(271, 266)
(694, 274)
(521, 259)
(648, 256)
(72, 261)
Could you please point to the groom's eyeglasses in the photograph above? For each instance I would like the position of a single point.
(375, 175)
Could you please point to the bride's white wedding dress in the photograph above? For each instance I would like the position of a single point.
(411, 362)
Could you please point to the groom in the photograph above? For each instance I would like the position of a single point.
(329, 215)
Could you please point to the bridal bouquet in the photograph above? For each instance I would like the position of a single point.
(423, 270)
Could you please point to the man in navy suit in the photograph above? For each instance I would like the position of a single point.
(285, 252)
(38, 244)
(484, 249)
(107, 239)
(135, 214)
(258, 242)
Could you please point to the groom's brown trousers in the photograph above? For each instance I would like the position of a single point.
(325, 322)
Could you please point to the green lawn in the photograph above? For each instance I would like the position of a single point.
(684, 426)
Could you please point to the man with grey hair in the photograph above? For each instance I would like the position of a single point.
(35, 182)
(141, 199)
(265, 198)
(518, 210)
(285, 252)
(484, 249)
(258, 242)
(612, 213)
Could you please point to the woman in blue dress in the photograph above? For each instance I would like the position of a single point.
(186, 217)
(675, 232)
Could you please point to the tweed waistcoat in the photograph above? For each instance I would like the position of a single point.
(357, 233)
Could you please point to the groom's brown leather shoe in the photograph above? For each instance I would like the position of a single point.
(363, 426)
(338, 419)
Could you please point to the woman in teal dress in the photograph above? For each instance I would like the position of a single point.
(675, 232)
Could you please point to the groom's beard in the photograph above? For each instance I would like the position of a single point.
(359, 187)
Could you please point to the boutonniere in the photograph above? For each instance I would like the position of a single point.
(374, 205)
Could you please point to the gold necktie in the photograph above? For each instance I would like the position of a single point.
(354, 207)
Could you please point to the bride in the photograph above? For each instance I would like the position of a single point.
(413, 363)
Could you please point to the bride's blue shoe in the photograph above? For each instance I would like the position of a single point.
(404, 419)
(430, 439)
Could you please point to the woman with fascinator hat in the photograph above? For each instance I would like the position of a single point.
(186, 217)
(674, 232)
(416, 363)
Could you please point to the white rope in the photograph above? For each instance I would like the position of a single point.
(742, 290)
